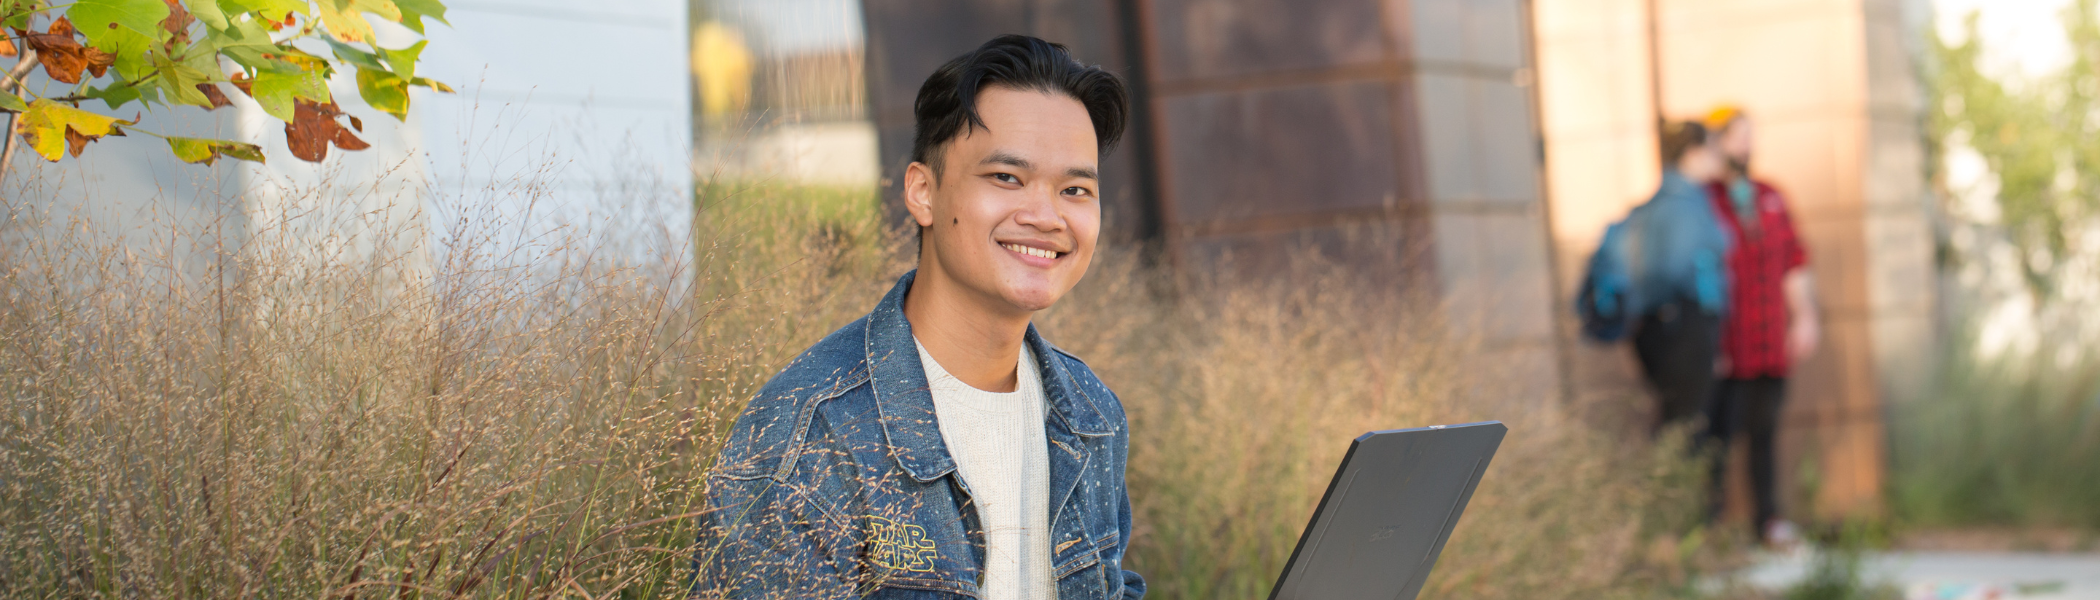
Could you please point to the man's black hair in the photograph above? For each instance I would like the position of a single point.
(947, 104)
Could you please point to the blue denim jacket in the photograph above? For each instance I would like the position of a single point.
(835, 482)
(1681, 251)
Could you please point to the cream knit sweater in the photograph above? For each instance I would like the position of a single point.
(1003, 457)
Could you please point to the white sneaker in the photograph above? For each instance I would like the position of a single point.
(1781, 533)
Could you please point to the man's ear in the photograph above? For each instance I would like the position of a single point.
(918, 193)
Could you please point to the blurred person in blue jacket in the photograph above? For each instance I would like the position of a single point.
(1677, 261)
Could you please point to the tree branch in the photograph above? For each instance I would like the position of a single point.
(13, 82)
(22, 67)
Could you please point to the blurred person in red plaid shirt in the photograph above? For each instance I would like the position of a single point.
(1770, 324)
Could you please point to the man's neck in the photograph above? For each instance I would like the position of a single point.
(973, 340)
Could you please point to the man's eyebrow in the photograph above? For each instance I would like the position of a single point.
(1007, 158)
(1083, 172)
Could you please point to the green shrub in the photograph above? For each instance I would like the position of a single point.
(2008, 441)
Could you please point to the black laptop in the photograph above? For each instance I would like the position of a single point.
(1387, 513)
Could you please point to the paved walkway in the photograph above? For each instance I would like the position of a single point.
(1954, 575)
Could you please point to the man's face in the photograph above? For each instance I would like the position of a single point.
(1736, 141)
(1016, 210)
(1701, 164)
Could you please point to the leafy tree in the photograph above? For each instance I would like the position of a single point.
(163, 53)
(2041, 139)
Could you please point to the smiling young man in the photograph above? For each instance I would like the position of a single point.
(939, 447)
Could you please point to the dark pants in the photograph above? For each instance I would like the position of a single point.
(1676, 345)
(1748, 406)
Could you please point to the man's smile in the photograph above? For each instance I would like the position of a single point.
(1044, 253)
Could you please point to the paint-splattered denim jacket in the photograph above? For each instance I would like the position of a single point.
(835, 482)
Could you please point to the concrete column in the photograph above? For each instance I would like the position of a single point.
(1597, 116)
(1472, 77)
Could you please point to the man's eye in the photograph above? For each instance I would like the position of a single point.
(1006, 178)
(1078, 191)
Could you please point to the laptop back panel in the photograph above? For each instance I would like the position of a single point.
(1387, 513)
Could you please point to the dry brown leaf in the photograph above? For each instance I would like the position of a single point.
(313, 127)
(178, 23)
(98, 62)
(7, 46)
(77, 141)
(346, 140)
(217, 97)
(62, 57)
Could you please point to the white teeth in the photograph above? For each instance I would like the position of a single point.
(1036, 252)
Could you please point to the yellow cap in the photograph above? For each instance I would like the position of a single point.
(1721, 116)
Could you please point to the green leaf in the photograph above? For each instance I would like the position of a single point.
(178, 81)
(95, 18)
(19, 12)
(403, 61)
(276, 91)
(357, 58)
(12, 102)
(384, 91)
(281, 59)
(115, 94)
(256, 58)
(130, 49)
(197, 150)
(209, 12)
(413, 12)
(203, 56)
(243, 33)
(432, 84)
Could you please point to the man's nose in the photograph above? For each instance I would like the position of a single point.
(1039, 210)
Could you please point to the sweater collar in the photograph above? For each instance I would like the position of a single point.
(905, 402)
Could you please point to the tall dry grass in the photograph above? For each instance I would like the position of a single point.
(1243, 397)
(265, 415)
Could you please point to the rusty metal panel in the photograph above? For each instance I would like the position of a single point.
(1281, 115)
(1201, 39)
(1268, 153)
(908, 39)
(1386, 254)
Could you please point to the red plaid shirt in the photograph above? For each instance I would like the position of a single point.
(1753, 336)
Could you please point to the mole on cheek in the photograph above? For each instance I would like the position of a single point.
(958, 220)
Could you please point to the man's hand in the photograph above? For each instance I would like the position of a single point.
(1803, 332)
(1802, 337)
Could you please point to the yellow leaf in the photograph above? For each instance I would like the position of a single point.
(384, 8)
(44, 127)
(344, 21)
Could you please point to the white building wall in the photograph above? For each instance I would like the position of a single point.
(566, 116)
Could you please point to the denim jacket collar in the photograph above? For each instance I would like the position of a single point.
(903, 399)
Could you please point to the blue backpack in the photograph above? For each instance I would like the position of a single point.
(1606, 302)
